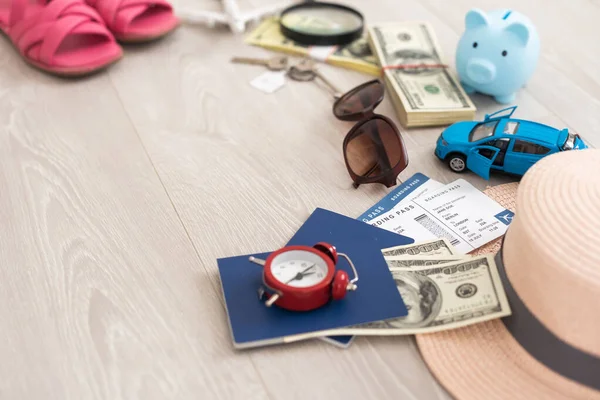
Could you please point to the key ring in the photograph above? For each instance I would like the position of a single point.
(306, 70)
(300, 76)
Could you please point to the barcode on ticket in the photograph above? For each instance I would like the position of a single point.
(436, 228)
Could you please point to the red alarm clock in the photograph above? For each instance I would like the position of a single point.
(303, 278)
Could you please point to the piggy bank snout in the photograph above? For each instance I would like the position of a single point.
(481, 71)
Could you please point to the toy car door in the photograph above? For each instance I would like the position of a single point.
(504, 113)
(480, 162)
(522, 155)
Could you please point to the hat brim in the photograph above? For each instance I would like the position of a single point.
(484, 361)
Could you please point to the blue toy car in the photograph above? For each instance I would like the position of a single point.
(501, 143)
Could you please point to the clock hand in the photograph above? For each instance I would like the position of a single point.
(297, 276)
(306, 269)
(300, 274)
(308, 273)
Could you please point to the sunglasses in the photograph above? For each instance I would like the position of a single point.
(374, 150)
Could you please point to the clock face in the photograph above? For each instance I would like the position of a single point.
(299, 268)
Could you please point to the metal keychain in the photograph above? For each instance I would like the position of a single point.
(306, 70)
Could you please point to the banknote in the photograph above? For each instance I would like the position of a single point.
(436, 247)
(442, 297)
(424, 90)
(357, 55)
(419, 261)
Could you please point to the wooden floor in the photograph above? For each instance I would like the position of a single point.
(119, 191)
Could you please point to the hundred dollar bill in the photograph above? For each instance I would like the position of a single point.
(422, 96)
(436, 247)
(443, 297)
(419, 261)
(356, 56)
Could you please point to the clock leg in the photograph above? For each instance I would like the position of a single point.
(257, 261)
(272, 300)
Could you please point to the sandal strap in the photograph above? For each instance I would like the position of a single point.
(52, 12)
(17, 11)
(55, 35)
(56, 21)
(119, 13)
(58, 8)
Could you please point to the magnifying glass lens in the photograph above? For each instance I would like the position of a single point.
(322, 20)
(321, 24)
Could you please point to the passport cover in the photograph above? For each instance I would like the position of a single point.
(253, 324)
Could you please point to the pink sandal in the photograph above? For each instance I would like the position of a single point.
(134, 21)
(64, 37)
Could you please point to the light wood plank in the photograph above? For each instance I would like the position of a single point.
(102, 294)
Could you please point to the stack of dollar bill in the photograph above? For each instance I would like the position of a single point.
(423, 90)
(441, 289)
(356, 56)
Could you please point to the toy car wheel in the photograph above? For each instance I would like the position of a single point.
(457, 163)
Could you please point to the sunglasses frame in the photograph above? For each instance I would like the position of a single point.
(364, 116)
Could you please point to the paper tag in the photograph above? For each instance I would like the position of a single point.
(321, 53)
(269, 82)
(458, 211)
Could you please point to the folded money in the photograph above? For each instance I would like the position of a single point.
(436, 247)
(419, 261)
(356, 56)
(441, 288)
(424, 91)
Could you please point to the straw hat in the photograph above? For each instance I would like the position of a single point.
(549, 348)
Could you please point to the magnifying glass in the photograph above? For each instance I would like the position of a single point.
(321, 24)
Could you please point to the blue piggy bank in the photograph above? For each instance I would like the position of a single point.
(497, 53)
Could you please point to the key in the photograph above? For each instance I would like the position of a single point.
(299, 75)
(306, 70)
(277, 63)
(306, 65)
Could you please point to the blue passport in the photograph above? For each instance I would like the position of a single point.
(377, 298)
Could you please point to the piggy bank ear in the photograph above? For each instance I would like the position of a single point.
(475, 18)
(520, 31)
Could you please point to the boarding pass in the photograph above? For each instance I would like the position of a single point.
(428, 210)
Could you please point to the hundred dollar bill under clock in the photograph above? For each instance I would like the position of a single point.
(436, 247)
(442, 297)
(419, 261)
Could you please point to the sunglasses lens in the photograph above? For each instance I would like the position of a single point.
(375, 149)
(358, 100)
(361, 153)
